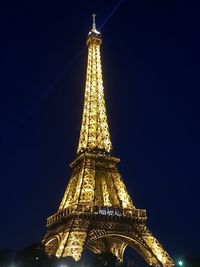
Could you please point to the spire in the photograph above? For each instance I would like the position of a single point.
(94, 134)
(94, 23)
(94, 29)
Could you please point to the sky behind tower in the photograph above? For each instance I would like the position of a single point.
(150, 60)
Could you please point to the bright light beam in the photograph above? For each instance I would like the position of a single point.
(40, 100)
(111, 14)
(46, 92)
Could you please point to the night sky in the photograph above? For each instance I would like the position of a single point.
(150, 57)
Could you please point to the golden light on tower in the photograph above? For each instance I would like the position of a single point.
(94, 130)
(96, 211)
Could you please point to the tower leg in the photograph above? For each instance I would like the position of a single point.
(73, 240)
(157, 249)
(117, 248)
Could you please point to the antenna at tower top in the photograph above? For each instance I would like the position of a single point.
(94, 29)
(93, 22)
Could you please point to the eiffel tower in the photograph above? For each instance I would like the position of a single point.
(96, 211)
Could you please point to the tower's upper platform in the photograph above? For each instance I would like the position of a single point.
(94, 134)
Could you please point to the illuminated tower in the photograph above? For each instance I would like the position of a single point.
(96, 211)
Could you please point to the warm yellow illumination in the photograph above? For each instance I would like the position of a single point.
(96, 210)
(94, 129)
(75, 241)
(96, 184)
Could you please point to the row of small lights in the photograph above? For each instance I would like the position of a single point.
(180, 263)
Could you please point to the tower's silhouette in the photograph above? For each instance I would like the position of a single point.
(96, 211)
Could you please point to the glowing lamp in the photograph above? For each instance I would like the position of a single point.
(180, 263)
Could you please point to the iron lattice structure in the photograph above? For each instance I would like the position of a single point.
(96, 211)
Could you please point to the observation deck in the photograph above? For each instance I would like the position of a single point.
(97, 211)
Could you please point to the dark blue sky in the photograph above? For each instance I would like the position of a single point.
(151, 71)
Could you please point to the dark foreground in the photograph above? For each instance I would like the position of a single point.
(34, 256)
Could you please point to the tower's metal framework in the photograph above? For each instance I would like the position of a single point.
(96, 211)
